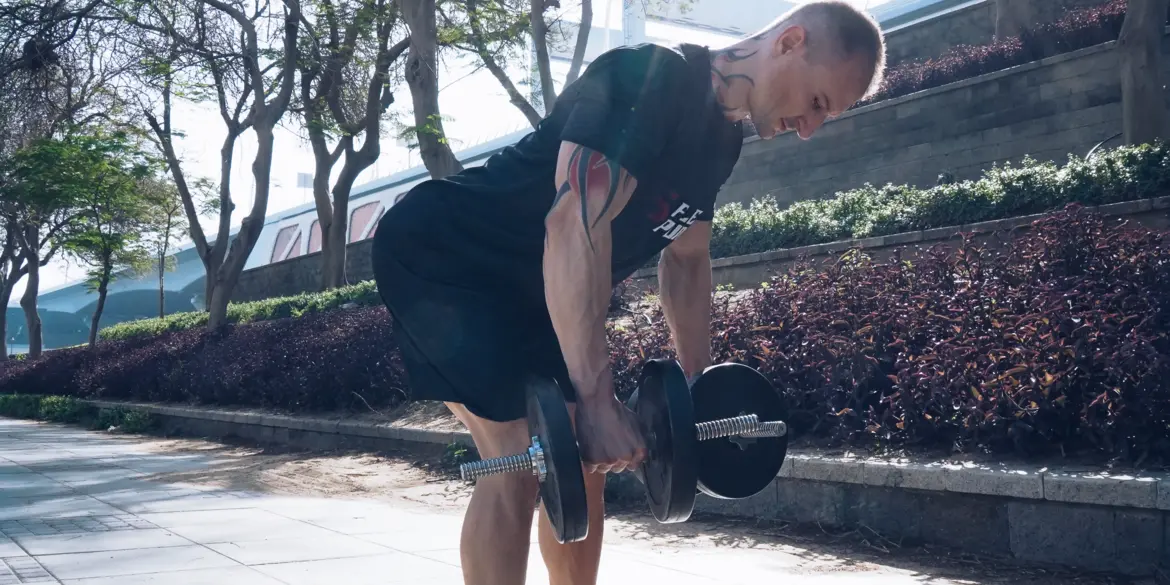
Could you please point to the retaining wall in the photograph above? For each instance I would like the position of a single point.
(1045, 109)
(749, 270)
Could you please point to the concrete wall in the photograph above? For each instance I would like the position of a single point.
(300, 274)
(971, 25)
(1046, 109)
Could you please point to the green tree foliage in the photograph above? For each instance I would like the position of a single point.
(111, 215)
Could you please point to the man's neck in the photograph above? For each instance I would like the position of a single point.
(731, 79)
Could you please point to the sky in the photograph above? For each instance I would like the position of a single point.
(475, 109)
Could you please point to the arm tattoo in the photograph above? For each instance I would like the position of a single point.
(587, 171)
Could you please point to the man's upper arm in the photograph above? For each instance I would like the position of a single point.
(592, 188)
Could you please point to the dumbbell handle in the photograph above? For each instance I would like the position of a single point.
(747, 425)
(532, 460)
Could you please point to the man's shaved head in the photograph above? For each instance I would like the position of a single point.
(837, 31)
(807, 66)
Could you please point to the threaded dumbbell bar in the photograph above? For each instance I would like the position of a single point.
(770, 428)
(747, 425)
(532, 461)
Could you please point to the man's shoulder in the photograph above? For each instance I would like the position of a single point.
(643, 59)
(645, 72)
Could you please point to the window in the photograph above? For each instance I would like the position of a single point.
(295, 249)
(280, 248)
(315, 237)
(360, 220)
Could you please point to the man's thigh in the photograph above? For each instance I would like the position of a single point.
(477, 348)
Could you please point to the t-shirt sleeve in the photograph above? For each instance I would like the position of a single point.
(625, 105)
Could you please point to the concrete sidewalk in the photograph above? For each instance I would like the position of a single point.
(79, 507)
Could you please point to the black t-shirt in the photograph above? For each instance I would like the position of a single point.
(647, 107)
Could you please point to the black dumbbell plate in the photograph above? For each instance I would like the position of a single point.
(666, 416)
(737, 468)
(563, 491)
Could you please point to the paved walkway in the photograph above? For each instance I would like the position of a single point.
(80, 507)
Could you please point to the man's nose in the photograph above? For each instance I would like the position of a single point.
(808, 125)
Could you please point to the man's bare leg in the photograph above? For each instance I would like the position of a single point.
(494, 544)
(576, 563)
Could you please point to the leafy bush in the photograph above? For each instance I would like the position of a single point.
(1078, 29)
(20, 405)
(1121, 174)
(362, 294)
(64, 409)
(318, 362)
(67, 409)
(1058, 342)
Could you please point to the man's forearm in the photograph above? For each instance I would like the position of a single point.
(577, 284)
(685, 289)
(577, 266)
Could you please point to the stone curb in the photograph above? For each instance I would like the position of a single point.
(1148, 491)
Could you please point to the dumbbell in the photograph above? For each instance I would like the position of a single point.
(683, 455)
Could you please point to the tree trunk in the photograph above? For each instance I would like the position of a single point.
(28, 302)
(1012, 17)
(334, 273)
(333, 248)
(5, 297)
(422, 78)
(1143, 105)
(162, 268)
(514, 96)
(582, 41)
(540, 41)
(326, 217)
(245, 241)
(103, 288)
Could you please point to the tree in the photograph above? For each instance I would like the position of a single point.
(1012, 17)
(56, 75)
(218, 49)
(498, 31)
(42, 185)
(345, 92)
(422, 78)
(164, 226)
(111, 214)
(1143, 104)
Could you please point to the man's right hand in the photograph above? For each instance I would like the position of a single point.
(608, 435)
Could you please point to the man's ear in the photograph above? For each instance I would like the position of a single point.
(791, 39)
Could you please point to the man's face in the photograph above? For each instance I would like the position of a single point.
(792, 92)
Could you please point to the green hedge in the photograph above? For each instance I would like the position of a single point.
(362, 294)
(1122, 174)
(67, 409)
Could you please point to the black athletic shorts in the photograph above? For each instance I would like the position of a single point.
(473, 345)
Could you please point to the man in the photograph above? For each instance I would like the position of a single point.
(504, 271)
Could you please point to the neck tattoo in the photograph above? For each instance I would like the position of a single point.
(725, 80)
